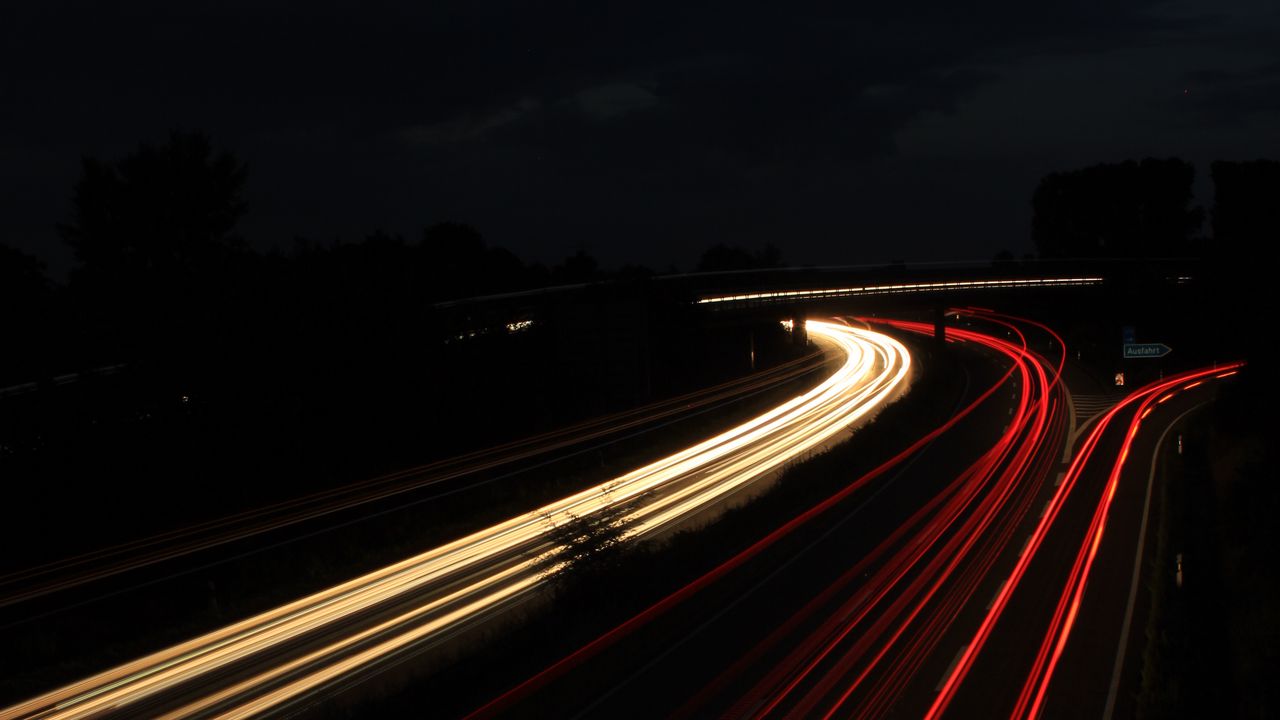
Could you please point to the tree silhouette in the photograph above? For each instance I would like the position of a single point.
(579, 267)
(164, 209)
(160, 267)
(457, 263)
(454, 248)
(1123, 210)
(769, 257)
(590, 544)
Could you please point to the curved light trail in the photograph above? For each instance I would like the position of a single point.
(873, 643)
(287, 654)
(696, 708)
(1031, 699)
(48, 578)
(1050, 648)
(909, 590)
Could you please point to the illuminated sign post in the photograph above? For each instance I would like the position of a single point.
(1146, 350)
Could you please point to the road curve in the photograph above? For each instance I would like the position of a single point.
(286, 655)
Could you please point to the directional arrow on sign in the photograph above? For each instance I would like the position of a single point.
(1146, 350)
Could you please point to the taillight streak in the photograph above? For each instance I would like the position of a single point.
(790, 673)
(1031, 699)
(659, 608)
(1068, 604)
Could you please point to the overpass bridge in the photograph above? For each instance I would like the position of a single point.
(793, 293)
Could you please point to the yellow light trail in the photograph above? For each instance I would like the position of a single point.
(903, 288)
(283, 655)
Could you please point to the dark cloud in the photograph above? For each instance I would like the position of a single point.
(642, 132)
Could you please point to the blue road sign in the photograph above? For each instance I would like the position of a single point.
(1129, 334)
(1146, 350)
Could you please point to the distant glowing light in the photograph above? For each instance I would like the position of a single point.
(901, 288)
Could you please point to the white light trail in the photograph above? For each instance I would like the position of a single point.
(428, 597)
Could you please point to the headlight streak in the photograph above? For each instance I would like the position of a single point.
(1064, 616)
(485, 570)
(586, 652)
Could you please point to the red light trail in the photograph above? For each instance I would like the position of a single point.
(962, 504)
(856, 645)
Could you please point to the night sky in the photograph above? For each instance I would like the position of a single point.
(842, 132)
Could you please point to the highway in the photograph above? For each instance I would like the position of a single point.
(1084, 562)
(984, 571)
(284, 658)
(840, 605)
(869, 648)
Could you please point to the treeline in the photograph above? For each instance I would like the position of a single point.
(240, 376)
(164, 277)
(1144, 210)
(167, 288)
(1133, 212)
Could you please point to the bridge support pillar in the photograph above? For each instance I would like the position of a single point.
(940, 324)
